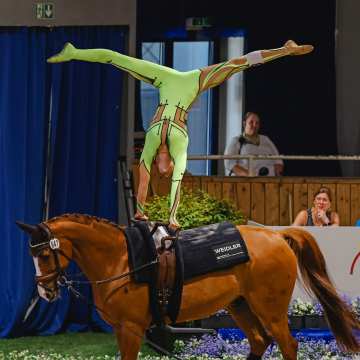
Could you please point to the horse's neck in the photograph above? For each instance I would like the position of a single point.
(98, 251)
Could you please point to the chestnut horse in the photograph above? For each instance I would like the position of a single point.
(256, 293)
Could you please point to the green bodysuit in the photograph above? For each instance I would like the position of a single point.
(178, 91)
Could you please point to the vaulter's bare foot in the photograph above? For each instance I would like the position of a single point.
(295, 49)
(64, 55)
(174, 226)
(140, 217)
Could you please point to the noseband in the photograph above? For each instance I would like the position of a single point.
(52, 244)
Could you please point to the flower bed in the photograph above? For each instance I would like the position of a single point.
(214, 347)
(302, 315)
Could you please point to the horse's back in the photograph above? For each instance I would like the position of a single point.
(261, 240)
(268, 251)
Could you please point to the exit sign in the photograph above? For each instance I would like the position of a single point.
(45, 11)
(197, 23)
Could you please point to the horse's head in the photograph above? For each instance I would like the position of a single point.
(51, 256)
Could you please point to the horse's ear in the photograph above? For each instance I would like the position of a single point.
(29, 229)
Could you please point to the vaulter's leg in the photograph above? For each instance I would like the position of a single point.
(152, 142)
(178, 143)
(289, 48)
(141, 69)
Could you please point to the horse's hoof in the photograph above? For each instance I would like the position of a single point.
(118, 356)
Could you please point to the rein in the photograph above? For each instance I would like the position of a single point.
(113, 278)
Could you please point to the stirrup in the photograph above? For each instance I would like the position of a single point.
(173, 237)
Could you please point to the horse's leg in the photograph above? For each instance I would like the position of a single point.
(267, 284)
(129, 338)
(247, 321)
(273, 316)
(281, 333)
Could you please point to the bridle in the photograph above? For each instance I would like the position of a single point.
(53, 245)
(59, 274)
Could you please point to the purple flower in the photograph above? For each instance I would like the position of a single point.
(318, 309)
(215, 346)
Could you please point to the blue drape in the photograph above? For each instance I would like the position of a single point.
(23, 99)
(84, 100)
(85, 141)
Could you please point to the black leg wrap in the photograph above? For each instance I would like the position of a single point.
(253, 357)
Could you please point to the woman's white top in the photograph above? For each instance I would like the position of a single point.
(265, 147)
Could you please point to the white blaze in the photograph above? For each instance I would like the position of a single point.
(41, 290)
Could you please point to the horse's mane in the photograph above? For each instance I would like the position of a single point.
(85, 219)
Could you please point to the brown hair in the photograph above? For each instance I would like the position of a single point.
(248, 114)
(323, 190)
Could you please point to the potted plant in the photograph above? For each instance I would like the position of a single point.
(302, 314)
(197, 208)
(295, 314)
(355, 306)
(316, 319)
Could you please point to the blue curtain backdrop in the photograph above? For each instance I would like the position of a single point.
(23, 118)
(85, 141)
(84, 101)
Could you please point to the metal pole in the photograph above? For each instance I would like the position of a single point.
(276, 157)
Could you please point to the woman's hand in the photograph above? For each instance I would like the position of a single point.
(321, 216)
(239, 170)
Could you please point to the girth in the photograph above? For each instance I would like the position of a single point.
(165, 282)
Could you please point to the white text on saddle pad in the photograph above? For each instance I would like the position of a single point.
(225, 252)
(226, 248)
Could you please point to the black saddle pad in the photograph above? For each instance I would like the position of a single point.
(198, 251)
(211, 248)
(141, 251)
(204, 249)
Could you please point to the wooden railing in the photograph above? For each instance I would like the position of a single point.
(275, 201)
(272, 200)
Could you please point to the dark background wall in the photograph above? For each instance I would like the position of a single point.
(296, 97)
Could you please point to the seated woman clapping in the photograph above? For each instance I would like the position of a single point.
(320, 213)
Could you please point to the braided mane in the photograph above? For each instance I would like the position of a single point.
(85, 219)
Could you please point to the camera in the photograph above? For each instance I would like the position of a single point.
(263, 171)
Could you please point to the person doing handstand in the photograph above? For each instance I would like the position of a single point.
(166, 138)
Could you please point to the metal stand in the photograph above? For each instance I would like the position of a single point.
(126, 197)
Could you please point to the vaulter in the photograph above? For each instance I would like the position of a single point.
(167, 137)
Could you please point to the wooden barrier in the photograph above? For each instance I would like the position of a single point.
(271, 200)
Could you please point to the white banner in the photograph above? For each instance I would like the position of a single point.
(340, 246)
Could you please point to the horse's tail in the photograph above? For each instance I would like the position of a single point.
(316, 282)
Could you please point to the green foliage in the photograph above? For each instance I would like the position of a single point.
(66, 346)
(196, 209)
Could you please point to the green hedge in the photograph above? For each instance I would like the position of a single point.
(196, 209)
